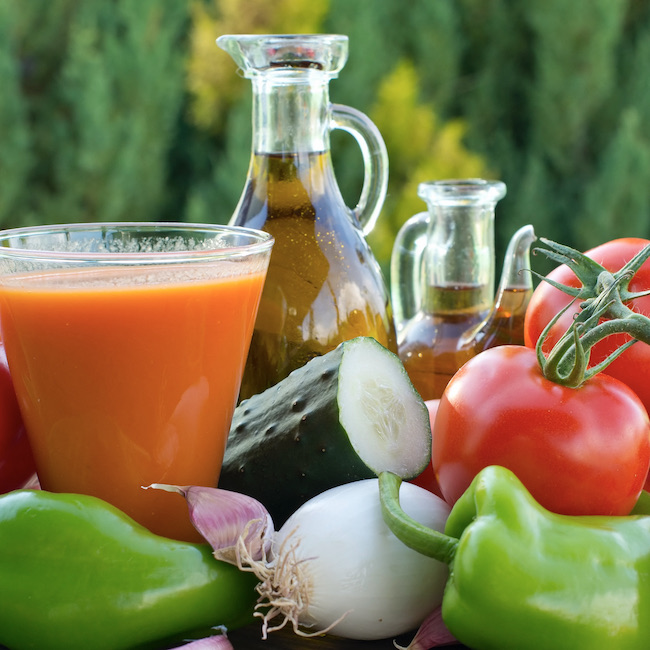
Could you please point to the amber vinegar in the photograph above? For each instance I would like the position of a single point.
(504, 325)
(429, 344)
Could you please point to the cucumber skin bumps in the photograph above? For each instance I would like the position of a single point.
(342, 417)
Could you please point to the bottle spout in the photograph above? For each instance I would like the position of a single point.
(258, 53)
(516, 264)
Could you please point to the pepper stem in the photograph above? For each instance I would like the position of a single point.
(426, 541)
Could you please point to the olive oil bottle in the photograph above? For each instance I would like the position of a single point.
(323, 285)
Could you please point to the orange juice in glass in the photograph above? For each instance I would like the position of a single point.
(126, 343)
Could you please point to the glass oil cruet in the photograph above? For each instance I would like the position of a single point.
(442, 281)
(323, 284)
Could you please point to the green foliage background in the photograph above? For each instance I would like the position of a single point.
(127, 110)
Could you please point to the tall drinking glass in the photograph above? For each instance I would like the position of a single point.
(126, 343)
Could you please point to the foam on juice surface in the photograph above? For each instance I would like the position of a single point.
(98, 278)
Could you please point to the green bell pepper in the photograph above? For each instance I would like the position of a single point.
(642, 506)
(76, 573)
(523, 577)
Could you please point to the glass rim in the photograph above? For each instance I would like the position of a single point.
(258, 54)
(291, 37)
(260, 242)
(462, 190)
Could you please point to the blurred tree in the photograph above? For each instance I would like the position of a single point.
(555, 99)
(93, 91)
(384, 37)
(15, 154)
(421, 147)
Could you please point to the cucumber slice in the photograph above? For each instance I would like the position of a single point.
(385, 418)
(347, 415)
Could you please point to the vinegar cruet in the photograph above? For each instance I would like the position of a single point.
(442, 277)
(323, 285)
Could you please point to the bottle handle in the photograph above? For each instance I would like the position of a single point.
(406, 268)
(375, 162)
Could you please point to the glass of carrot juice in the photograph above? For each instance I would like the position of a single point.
(126, 343)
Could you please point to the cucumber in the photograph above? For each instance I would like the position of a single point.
(347, 415)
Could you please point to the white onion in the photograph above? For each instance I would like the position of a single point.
(338, 568)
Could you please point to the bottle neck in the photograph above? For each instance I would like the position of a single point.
(459, 257)
(291, 111)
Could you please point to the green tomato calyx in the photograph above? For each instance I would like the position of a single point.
(603, 312)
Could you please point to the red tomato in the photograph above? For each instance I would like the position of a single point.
(579, 451)
(633, 366)
(427, 479)
(16, 460)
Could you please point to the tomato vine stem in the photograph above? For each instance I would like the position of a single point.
(603, 312)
